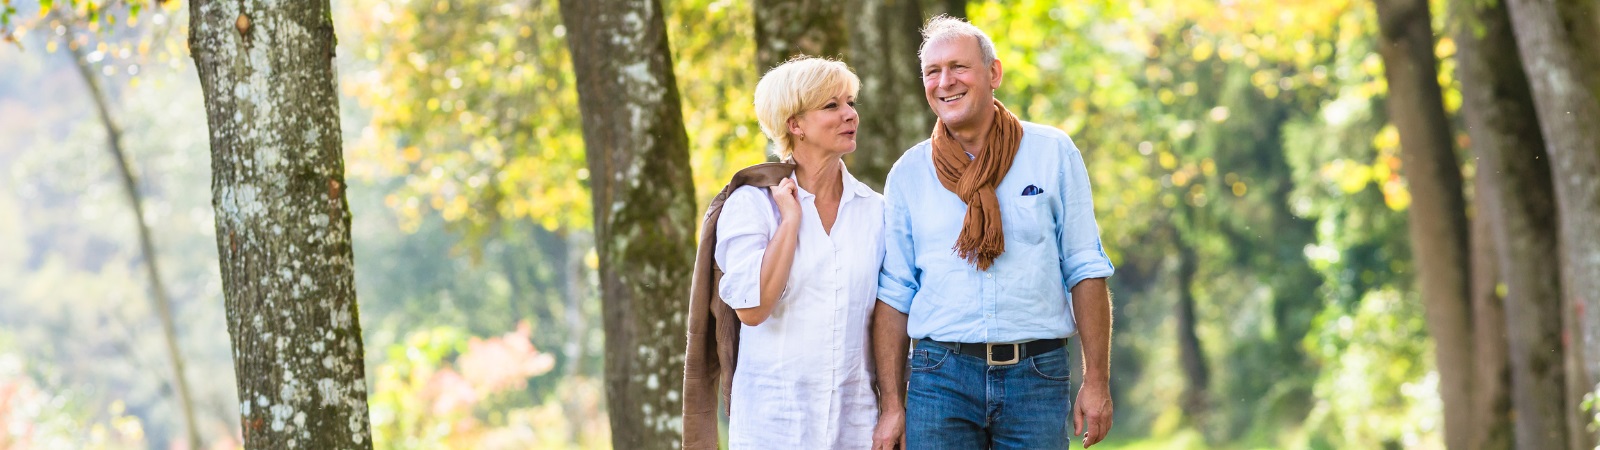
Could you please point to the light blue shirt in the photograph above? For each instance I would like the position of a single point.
(1052, 243)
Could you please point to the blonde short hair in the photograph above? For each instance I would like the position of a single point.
(801, 84)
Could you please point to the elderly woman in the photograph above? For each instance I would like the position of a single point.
(801, 264)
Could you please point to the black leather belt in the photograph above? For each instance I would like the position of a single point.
(1003, 354)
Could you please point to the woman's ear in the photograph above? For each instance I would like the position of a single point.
(794, 128)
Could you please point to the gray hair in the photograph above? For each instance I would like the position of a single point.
(944, 28)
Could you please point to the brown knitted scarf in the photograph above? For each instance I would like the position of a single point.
(982, 239)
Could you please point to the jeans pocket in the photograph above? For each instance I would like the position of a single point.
(1052, 365)
(924, 359)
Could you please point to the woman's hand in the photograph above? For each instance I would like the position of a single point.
(788, 200)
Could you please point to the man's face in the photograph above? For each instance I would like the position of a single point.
(959, 88)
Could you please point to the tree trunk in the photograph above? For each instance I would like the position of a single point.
(884, 36)
(283, 222)
(1190, 353)
(952, 8)
(1491, 377)
(1293, 312)
(1517, 201)
(785, 28)
(158, 290)
(1558, 43)
(644, 209)
(1437, 213)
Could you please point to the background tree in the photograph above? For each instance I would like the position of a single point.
(788, 28)
(1560, 51)
(952, 8)
(884, 37)
(1515, 199)
(1196, 401)
(130, 185)
(1438, 219)
(283, 224)
(643, 191)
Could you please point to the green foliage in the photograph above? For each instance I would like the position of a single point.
(94, 17)
(473, 103)
(1380, 347)
(713, 49)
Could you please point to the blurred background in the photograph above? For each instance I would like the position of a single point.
(1247, 174)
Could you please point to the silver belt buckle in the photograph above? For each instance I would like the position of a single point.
(1016, 354)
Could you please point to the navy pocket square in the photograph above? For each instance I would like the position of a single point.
(1031, 190)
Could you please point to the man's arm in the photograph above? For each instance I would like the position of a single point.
(1091, 307)
(889, 344)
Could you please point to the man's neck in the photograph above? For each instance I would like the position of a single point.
(973, 137)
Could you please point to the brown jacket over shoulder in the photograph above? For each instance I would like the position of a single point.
(713, 348)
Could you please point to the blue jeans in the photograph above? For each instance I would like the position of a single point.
(960, 402)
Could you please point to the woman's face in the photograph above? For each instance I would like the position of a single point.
(829, 130)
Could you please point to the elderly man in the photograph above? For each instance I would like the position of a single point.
(993, 261)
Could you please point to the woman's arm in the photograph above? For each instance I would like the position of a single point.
(779, 255)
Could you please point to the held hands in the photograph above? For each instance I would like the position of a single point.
(788, 200)
(890, 433)
(1091, 414)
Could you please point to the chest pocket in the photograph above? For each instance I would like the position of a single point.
(1027, 217)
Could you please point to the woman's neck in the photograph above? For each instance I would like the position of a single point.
(821, 175)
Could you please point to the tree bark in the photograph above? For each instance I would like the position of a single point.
(644, 209)
(1438, 212)
(785, 28)
(1516, 200)
(1293, 312)
(158, 290)
(1558, 43)
(283, 221)
(1191, 355)
(1491, 377)
(952, 8)
(884, 37)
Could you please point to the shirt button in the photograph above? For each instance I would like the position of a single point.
(988, 275)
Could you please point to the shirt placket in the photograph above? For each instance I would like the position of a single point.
(834, 292)
(989, 291)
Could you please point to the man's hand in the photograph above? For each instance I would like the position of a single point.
(891, 431)
(889, 347)
(1091, 413)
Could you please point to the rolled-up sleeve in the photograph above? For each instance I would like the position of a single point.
(897, 280)
(1082, 256)
(743, 231)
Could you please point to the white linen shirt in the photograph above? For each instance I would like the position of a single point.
(805, 374)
